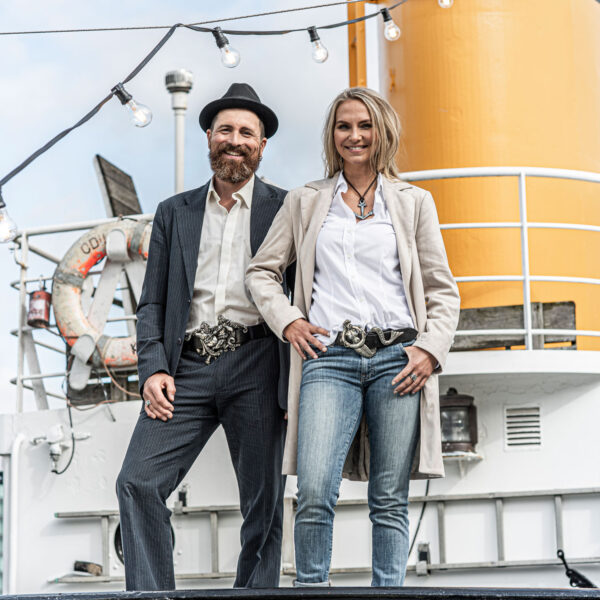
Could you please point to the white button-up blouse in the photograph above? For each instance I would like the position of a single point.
(357, 270)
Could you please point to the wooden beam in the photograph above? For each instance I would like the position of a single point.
(357, 53)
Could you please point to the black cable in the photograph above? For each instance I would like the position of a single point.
(286, 31)
(72, 445)
(152, 52)
(148, 27)
(420, 518)
(149, 57)
(54, 140)
(91, 113)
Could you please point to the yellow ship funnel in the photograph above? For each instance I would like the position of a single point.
(506, 83)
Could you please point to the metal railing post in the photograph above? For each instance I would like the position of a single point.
(527, 317)
(24, 257)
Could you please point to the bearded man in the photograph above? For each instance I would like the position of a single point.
(195, 310)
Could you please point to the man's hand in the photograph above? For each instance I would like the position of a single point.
(154, 392)
(421, 365)
(300, 334)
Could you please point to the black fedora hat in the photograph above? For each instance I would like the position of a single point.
(240, 95)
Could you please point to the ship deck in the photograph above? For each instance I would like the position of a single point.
(346, 593)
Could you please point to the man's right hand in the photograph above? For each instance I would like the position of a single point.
(161, 406)
(300, 334)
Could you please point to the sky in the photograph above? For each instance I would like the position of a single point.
(48, 82)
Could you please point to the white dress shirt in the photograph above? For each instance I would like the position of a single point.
(357, 270)
(223, 257)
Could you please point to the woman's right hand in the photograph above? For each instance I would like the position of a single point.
(300, 334)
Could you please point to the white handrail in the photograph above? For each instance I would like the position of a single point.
(78, 226)
(500, 172)
(516, 225)
(526, 278)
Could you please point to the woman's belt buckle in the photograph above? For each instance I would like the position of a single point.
(212, 341)
(355, 337)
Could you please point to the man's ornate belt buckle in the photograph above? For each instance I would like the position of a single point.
(355, 337)
(212, 341)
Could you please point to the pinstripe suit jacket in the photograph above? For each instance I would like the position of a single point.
(164, 306)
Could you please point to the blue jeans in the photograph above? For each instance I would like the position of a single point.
(336, 389)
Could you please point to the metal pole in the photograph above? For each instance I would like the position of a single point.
(179, 143)
(527, 318)
(179, 84)
(22, 318)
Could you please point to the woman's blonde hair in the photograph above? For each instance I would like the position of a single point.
(386, 125)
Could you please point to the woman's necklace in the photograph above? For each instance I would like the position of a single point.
(362, 203)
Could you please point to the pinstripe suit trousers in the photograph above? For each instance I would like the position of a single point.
(238, 391)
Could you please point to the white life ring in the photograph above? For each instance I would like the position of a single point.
(68, 282)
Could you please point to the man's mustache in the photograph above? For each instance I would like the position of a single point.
(232, 149)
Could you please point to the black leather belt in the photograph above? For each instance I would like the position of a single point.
(211, 341)
(366, 343)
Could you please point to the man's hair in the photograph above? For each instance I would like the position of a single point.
(386, 126)
(260, 123)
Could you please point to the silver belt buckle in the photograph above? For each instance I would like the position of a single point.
(214, 340)
(355, 337)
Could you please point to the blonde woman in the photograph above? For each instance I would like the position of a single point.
(375, 309)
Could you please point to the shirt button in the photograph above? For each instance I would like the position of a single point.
(179, 340)
(189, 301)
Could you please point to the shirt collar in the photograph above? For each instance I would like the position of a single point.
(341, 184)
(244, 194)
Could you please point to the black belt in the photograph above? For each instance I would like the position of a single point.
(367, 343)
(212, 341)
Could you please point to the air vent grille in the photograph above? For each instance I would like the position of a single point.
(522, 427)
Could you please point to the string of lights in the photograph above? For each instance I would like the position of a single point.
(141, 116)
(144, 27)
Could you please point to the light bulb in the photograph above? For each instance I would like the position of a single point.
(8, 228)
(319, 52)
(140, 115)
(445, 3)
(230, 57)
(391, 31)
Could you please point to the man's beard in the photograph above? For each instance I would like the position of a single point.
(233, 171)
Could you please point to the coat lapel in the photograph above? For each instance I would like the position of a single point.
(314, 208)
(263, 211)
(190, 217)
(401, 207)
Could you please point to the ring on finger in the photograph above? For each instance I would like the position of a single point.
(147, 402)
(413, 377)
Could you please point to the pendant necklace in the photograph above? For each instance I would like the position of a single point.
(362, 204)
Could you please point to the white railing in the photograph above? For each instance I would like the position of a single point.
(526, 277)
(35, 378)
(26, 342)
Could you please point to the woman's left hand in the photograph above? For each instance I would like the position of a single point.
(413, 377)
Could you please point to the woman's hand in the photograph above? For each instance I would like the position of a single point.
(413, 377)
(300, 334)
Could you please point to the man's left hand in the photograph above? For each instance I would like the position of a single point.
(414, 376)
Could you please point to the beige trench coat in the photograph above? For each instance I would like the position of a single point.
(430, 289)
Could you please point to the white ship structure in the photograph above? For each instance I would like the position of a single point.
(521, 391)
